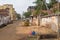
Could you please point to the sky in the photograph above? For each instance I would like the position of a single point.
(19, 5)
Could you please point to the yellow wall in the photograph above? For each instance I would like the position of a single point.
(11, 10)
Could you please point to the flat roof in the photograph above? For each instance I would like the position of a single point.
(50, 15)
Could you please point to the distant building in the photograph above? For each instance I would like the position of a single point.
(7, 9)
(31, 9)
(4, 12)
(33, 19)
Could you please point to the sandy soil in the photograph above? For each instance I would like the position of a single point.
(9, 32)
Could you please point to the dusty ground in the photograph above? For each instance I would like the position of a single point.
(9, 32)
(22, 32)
(17, 32)
(26, 30)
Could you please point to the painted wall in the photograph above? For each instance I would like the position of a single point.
(34, 21)
(50, 22)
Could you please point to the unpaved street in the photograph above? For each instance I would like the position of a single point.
(16, 32)
(9, 32)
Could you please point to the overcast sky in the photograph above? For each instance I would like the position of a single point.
(19, 5)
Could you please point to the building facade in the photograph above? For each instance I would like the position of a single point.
(10, 10)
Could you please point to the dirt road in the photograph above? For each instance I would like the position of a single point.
(9, 32)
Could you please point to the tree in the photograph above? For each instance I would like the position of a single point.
(52, 2)
(27, 14)
(18, 16)
(40, 5)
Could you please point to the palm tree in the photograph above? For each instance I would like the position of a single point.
(39, 6)
(52, 2)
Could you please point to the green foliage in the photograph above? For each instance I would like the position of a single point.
(27, 14)
(38, 2)
(50, 5)
(42, 13)
(18, 16)
(40, 5)
(55, 10)
(53, 2)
